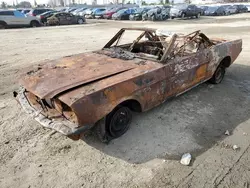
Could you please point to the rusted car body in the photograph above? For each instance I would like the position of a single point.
(99, 89)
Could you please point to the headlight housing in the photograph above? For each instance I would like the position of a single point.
(65, 110)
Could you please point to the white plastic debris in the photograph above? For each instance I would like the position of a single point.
(227, 133)
(235, 147)
(185, 159)
(244, 134)
(211, 86)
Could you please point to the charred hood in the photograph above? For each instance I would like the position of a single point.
(60, 75)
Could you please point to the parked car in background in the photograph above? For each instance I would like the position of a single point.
(84, 12)
(65, 18)
(184, 11)
(203, 9)
(230, 9)
(71, 9)
(215, 11)
(14, 18)
(25, 11)
(38, 11)
(76, 12)
(19, 9)
(241, 8)
(88, 12)
(44, 16)
(91, 14)
(62, 10)
(109, 13)
(137, 15)
(248, 8)
(100, 14)
(123, 14)
(156, 14)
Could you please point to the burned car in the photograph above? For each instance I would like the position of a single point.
(98, 90)
(64, 18)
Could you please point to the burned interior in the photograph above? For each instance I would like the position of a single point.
(157, 45)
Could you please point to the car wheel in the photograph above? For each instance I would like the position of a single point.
(114, 124)
(172, 17)
(165, 17)
(153, 18)
(118, 121)
(34, 23)
(198, 15)
(218, 75)
(80, 21)
(3, 26)
(183, 15)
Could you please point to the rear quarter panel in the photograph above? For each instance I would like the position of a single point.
(230, 49)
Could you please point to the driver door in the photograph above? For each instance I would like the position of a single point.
(70, 19)
(183, 73)
(62, 18)
(190, 10)
(20, 18)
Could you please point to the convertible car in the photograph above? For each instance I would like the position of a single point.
(98, 90)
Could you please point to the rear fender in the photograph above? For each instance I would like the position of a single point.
(222, 50)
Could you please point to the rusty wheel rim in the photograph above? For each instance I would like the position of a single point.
(219, 75)
(120, 122)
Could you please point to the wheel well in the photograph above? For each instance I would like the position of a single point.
(132, 104)
(34, 21)
(226, 62)
(3, 22)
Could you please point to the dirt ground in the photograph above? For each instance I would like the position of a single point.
(148, 154)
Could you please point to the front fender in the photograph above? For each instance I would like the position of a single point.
(92, 108)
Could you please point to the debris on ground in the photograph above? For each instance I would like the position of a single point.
(185, 159)
(244, 134)
(235, 147)
(227, 133)
(211, 86)
(226, 146)
(7, 142)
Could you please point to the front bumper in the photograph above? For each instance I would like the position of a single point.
(210, 14)
(115, 18)
(98, 16)
(175, 15)
(107, 16)
(62, 126)
(89, 16)
(135, 18)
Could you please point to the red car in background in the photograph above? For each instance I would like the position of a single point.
(109, 13)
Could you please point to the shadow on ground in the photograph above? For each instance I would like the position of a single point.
(192, 122)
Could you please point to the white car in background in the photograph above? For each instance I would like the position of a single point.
(14, 18)
(248, 8)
